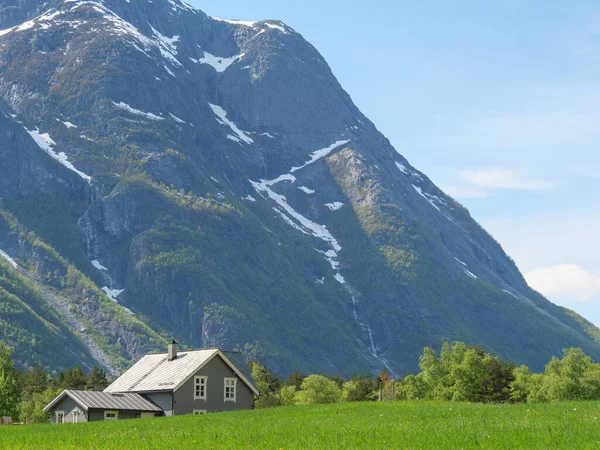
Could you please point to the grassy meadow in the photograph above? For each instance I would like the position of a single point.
(391, 425)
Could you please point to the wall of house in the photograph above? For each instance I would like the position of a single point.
(68, 405)
(97, 415)
(216, 370)
(162, 399)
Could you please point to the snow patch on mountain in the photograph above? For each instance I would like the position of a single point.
(46, 17)
(137, 112)
(223, 120)
(69, 125)
(112, 293)
(176, 119)
(462, 262)
(402, 168)
(306, 190)
(45, 142)
(276, 27)
(245, 23)
(98, 265)
(220, 64)
(470, 274)
(510, 293)
(319, 154)
(420, 192)
(120, 27)
(334, 206)
(11, 261)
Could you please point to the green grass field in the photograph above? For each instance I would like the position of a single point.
(395, 425)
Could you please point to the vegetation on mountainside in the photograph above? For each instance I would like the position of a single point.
(33, 328)
(79, 293)
(368, 425)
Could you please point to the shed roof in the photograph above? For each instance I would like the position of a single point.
(107, 401)
(156, 373)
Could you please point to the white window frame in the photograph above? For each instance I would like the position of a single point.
(227, 397)
(106, 413)
(203, 380)
(60, 413)
(200, 411)
(75, 413)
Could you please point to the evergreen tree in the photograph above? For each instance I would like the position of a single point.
(96, 380)
(34, 381)
(73, 378)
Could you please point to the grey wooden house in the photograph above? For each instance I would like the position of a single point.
(165, 384)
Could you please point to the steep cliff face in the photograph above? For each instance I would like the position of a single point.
(216, 180)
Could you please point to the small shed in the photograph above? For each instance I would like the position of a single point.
(73, 406)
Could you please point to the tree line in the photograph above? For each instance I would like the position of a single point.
(24, 395)
(461, 373)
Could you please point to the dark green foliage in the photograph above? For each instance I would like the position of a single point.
(96, 380)
(10, 395)
(33, 328)
(33, 381)
(73, 378)
(295, 379)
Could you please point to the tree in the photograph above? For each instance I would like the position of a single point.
(411, 388)
(359, 389)
(520, 387)
(494, 384)
(10, 395)
(268, 384)
(318, 389)
(32, 410)
(96, 380)
(287, 395)
(73, 378)
(295, 379)
(570, 378)
(33, 381)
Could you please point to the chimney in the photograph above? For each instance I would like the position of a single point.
(172, 350)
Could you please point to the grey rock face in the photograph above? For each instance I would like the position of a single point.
(237, 194)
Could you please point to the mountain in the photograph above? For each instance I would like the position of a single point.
(170, 174)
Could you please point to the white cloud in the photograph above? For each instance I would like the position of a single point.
(502, 178)
(565, 283)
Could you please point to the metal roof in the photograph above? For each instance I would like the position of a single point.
(156, 373)
(107, 401)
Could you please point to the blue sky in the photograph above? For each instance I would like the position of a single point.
(498, 102)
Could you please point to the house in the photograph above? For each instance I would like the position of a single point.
(164, 384)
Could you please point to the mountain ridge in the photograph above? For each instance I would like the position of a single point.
(231, 194)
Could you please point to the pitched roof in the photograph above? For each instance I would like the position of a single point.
(156, 373)
(103, 400)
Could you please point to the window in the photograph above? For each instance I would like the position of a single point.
(230, 389)
(60, 417)
(111, 415)
(200, 411)
(76, 413)
(200, 388)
